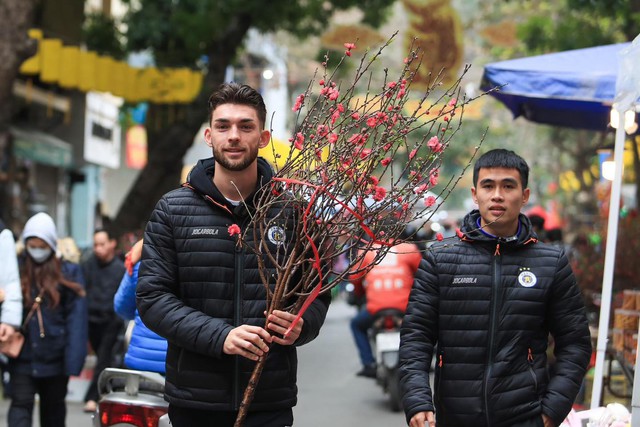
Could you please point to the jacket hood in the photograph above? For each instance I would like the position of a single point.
(471, 232)
(201, 178)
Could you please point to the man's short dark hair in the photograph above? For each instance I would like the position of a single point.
(108, 231)
(501, 158)
(235, 93)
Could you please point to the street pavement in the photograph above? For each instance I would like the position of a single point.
(329, 394)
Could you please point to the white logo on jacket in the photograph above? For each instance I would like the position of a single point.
(527, 279)
(276, 235)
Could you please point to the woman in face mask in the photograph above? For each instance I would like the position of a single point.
(54, 326)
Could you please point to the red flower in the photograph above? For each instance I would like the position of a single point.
(299, 101)
(355, 116)
(381, 192)
(459, 233)
(412, 154)
(440, 237)
(434, 144)
(299, 141)
(433, 179)
(430, 201)
(349, 46)
(233, 229)
(385, 161)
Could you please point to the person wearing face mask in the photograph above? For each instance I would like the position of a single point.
(54, 326)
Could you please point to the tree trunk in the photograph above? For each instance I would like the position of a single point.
(168, 146)
(15, 47)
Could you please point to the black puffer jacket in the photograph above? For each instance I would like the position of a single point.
(195, 285)
(484, 308)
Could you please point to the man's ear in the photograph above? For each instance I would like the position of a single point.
(473, 195)
(207, 136)
(525, 196)
(265, 138)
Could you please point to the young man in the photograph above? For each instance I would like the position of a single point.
(103, 271)
(484, 307)
(203, 292)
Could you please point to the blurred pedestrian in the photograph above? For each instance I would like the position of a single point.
(10, 296)
(54, 328)
(484, 307)
(103, 271)
(386, 285)
(147, 351)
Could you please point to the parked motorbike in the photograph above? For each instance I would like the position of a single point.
(130, 398)
(385, 341)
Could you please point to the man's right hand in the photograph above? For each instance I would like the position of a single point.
(423, 419)
(247, 341)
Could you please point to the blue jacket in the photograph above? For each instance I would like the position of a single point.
(147, 350)
(63, 348)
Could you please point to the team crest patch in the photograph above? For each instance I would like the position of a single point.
(276, 235)
(527, 279)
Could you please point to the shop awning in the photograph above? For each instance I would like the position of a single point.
(41, 148)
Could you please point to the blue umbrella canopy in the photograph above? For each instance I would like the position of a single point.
(573, 89)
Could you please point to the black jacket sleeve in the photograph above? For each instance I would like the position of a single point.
(157, 294)
(570, 330)
(418, 338)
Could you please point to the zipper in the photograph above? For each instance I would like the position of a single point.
(531, 371)
(495, 294)
(237, 320)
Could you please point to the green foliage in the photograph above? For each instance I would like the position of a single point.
(179, 32)
(101, 34)
(542, 34)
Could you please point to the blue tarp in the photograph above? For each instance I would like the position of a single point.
(572, 89)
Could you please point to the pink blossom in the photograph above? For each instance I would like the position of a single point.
(412, 154)
(440, 237)
(364, 153)
(299, 142)
(381, 192)
(387, 146)
(385, 161)
(233, 229)
(374, 180)
(323, 130)
(299, 101)
(333, 137)
(434, 144)
(391, 85)
(334, 95)
(349, 46)
(357, 139)
(429, 201)
(452, 102)
(321, 82)
(421, 188)
(433, 179)
(355, 116)
(372, 122)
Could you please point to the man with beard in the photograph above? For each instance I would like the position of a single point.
(203, 292)
(103, 271)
